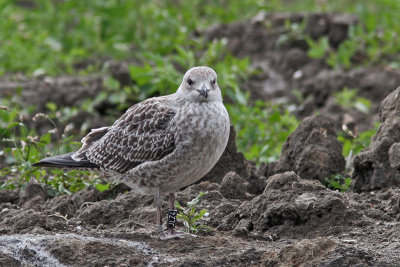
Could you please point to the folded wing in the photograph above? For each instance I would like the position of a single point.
(142, 134)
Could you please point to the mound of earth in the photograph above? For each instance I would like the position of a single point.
(378, 165)
(312, 146)
(296, 208)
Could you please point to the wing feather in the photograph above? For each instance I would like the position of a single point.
(141, 134)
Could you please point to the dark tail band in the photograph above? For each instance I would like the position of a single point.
(64, 161)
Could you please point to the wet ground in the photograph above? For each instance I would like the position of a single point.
(275, 215)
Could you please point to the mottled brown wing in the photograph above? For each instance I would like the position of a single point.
(141, 134)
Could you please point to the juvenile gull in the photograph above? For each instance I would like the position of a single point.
(161, 144)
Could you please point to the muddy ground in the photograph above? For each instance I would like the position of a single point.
(275, 215)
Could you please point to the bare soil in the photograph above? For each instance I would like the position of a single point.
(275, 215)
(293, 222)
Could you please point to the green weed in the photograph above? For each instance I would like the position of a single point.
(190, 215)
(22, 148)
(261, 129)
(94, 31)
(352, 145)
(317, 49)
(374, 38)
(348, 98)
(337, 182)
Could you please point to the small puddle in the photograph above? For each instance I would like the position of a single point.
(31, 250)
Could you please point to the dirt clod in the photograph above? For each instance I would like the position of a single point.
(232, 186)
(6, 260)
(33, 194)
(306, 252)
(312, 146)
(372, 167)
(9, 196)
(394, 155)
(107, 212)
(293, 206)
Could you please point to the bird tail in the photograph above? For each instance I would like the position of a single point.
(64, 161)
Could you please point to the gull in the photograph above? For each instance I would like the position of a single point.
(161, 144)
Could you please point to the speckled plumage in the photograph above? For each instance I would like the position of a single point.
(165, 142)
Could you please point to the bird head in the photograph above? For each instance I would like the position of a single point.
(199, 84)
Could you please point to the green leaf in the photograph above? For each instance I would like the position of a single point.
(190, 215)
(317, 49)
(45, 139)
(178, 206)
(338, 182)
(141, 75)
(51, 106)
(197, 199)
(199, 215)
(102, 187)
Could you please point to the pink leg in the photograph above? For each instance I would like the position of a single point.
(157, 202)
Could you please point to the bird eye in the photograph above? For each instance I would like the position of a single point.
(213, 82)
(189, 81)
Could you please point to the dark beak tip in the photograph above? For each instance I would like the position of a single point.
(203, 91)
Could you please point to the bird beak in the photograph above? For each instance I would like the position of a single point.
(203, 91)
